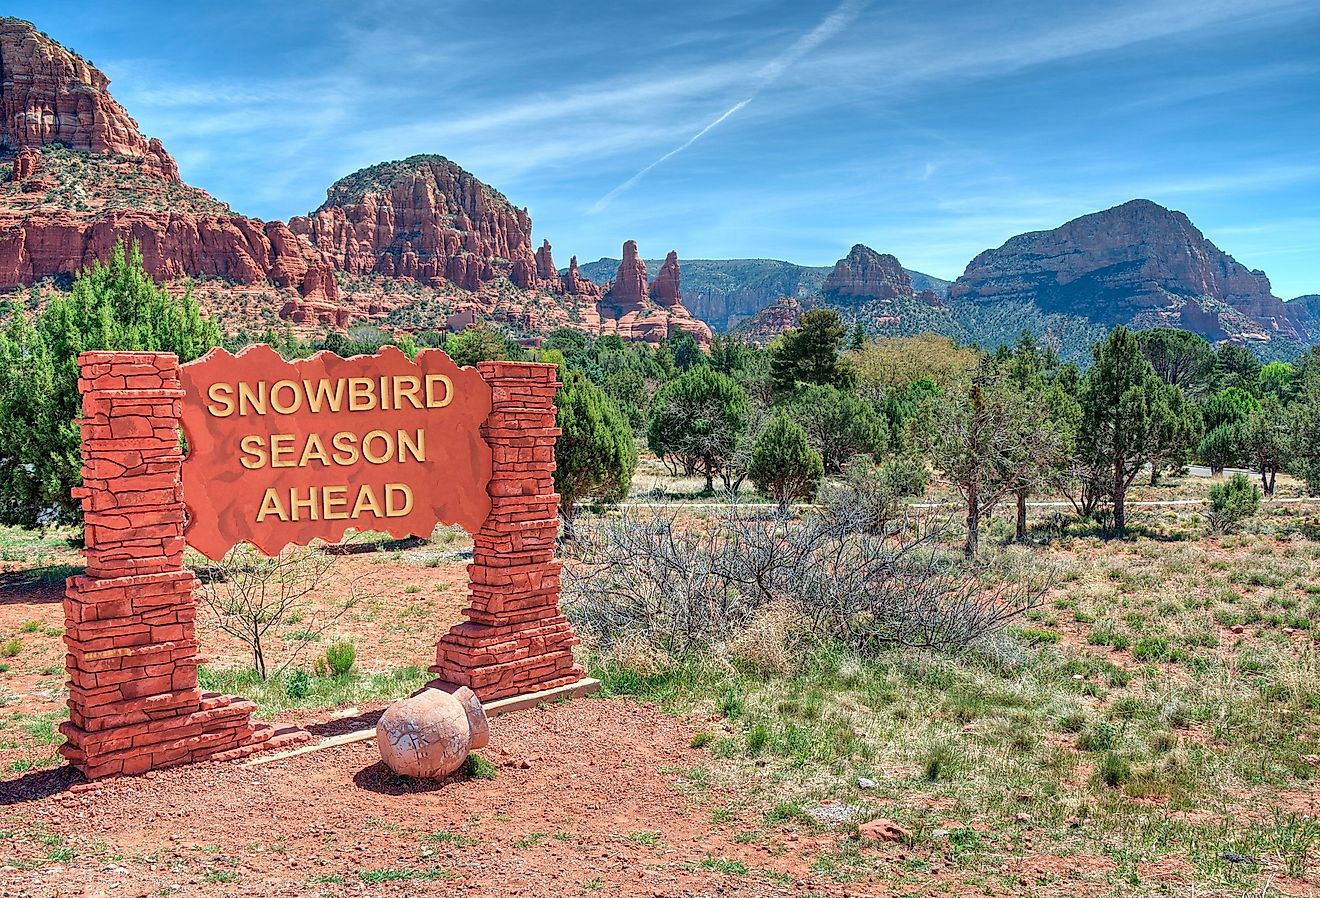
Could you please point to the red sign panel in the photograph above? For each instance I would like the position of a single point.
(286, 452)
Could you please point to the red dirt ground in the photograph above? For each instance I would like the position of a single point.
(596, 772)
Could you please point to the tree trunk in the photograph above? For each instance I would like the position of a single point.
(1154, 473)
(710, 476)
(973, 522)
(1119, 497)
(566, 510)
(1021, 516)
(1269, 484)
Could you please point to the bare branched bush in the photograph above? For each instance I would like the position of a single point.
(251, 594)
(867, 583)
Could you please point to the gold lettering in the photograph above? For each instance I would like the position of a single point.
(414, 387)
(345, 444)
(366, 501)
(383, 457)
(222, 400)
(293, 405)
(309, 503)
(393, 489)
(416, 449)
(248, 400)
(431, 381)
(270, 504)
(361, 394)
(335, 501)
(314, 448)
(281, 447)
(252, 445)
(322, 395)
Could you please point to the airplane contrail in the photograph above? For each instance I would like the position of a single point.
(844, 13)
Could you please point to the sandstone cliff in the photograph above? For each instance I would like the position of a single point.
(423, 218)
(1138, 264)
(866, 274)
(82, 176)
(51, 95)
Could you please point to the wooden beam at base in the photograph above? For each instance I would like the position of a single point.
(584, 686)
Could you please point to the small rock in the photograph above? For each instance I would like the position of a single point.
(1234, 858)
(883, 831)
(864, 783)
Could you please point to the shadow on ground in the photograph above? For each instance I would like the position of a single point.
(381, 779)
(39, 784)
(36, 586)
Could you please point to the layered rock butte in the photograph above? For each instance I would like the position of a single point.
(420, 241)
(1138, 264)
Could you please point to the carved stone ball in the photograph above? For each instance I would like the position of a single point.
(430, 734)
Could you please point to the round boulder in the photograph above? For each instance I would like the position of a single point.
(431, 733)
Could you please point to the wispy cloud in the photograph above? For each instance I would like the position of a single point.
(769, 73)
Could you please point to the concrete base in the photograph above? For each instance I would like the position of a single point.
(584, 686)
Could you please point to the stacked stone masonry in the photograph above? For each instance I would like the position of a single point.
(129, 619)
(515, 639)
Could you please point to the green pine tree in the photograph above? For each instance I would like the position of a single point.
(784, 464)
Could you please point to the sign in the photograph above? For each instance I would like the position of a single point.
(284, 452)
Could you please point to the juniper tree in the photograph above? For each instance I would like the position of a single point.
(989, 438)
(1128, 417)
(783, 463)
(112, 306)
(838, 425)
(810, 353)
(595, 454)
(697, 420)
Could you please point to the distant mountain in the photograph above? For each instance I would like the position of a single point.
(724, 292)
(1138, 264)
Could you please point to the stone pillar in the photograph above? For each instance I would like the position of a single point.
(134, 703)
(515, 640)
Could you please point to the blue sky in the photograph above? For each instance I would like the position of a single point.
(931, 130)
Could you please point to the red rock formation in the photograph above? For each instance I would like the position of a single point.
(577, 285)
(629, 289)
(547, 276)
(52, 95)
(174, 245)
(771, 321)
(26, 164)
(422, 218)
(628, 309)
(1138, 262)
(931, 298)
(665, 287)
(866, 274)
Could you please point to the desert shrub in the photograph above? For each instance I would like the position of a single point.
(1112, 770)
(1232, 502)
(11, 647)
(767, 643)
(298, 685)
(339, 657)
(644, 576)
(870, 495)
